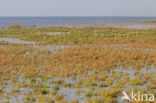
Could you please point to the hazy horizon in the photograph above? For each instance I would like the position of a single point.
(79, 8)
(78, 16)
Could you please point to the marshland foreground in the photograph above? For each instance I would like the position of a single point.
(76, 64)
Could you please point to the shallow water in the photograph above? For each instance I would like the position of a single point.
(68, 91)
(135, 26)
(18, 41)
(51, 47)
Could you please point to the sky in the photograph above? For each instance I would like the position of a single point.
(77, 8)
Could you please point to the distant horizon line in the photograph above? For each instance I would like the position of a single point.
(76, 16)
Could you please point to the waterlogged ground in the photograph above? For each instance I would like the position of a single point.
(132, 25)
(95, 69)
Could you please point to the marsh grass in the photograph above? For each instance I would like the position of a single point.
(94, 72)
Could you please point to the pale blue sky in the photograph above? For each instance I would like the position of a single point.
(77, 7)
